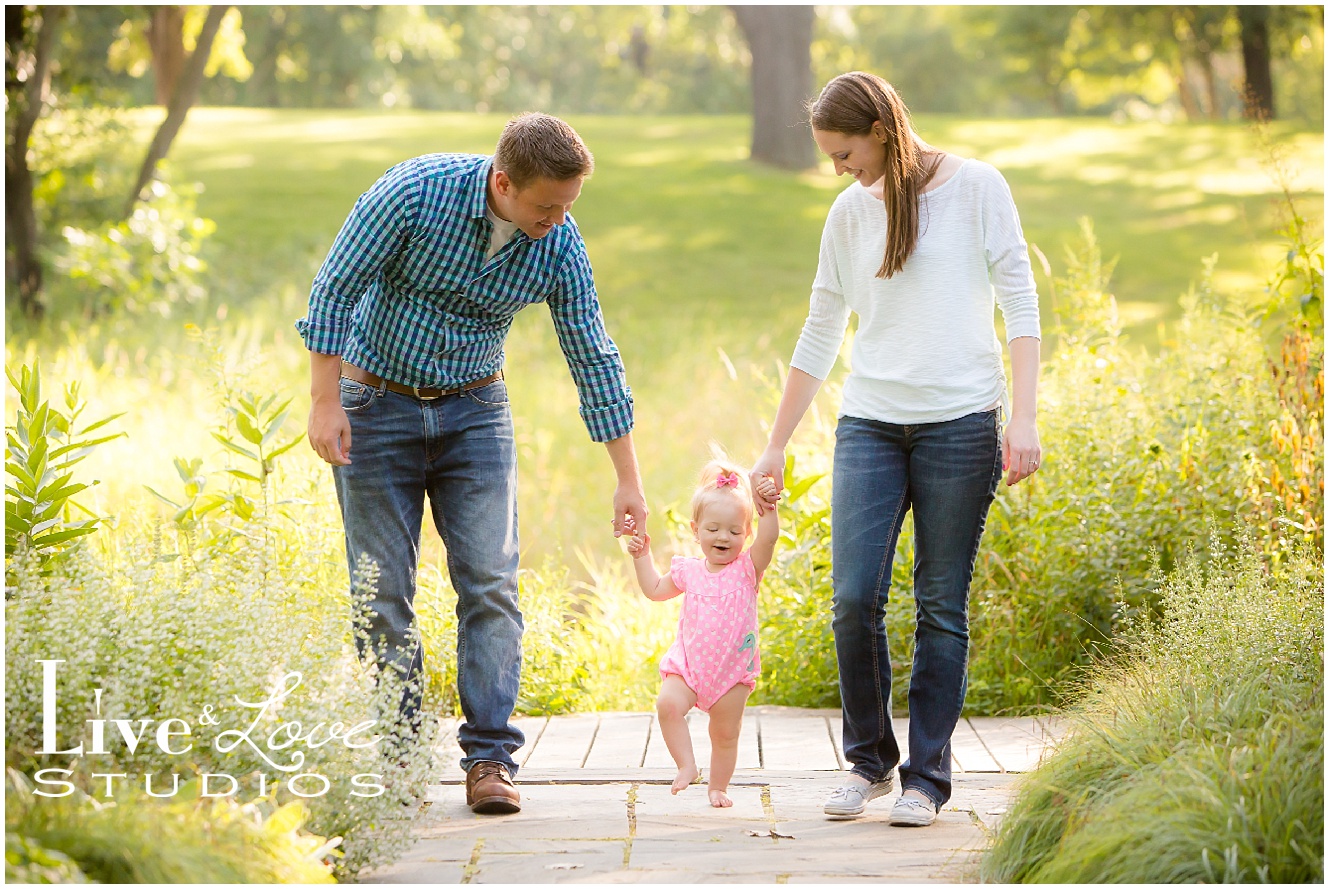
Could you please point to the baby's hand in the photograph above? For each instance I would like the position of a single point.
(766, 490)
(639, 544)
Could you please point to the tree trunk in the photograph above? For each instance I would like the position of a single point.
(166, 39)
(262, 87)
(1215, 104)
(186, 92)
(30, 95)
(780, 39)
(1259, 87)
(1190, 105)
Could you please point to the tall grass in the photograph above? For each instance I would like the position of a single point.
(1197, 754)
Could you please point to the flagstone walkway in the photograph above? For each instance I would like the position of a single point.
(597, 807)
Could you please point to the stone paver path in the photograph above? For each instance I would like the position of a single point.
(597, 808)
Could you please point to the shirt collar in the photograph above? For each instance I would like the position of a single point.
(478, 191)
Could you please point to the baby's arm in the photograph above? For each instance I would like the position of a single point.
(653, 586)
(768, 527)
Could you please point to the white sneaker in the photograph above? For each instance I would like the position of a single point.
(852, 798)
(911, 812)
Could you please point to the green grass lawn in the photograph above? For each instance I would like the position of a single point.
(696, 250)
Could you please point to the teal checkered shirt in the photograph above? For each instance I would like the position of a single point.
(406, 293)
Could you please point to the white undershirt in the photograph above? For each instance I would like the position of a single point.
(503, 232)
(926, 349)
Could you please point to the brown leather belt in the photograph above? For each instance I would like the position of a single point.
(351, 372)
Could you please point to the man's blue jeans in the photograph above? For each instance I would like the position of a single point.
(459, 451)
(948, 474)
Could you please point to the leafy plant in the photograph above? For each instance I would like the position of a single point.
(252, 429)
(148, 262)
(42, 447)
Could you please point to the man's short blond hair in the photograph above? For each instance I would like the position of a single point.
(538, 146)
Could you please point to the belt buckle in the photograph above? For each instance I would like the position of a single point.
(416, 391)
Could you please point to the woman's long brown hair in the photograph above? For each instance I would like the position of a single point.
(850, 104)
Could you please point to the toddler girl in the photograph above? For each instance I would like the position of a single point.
(713, 662)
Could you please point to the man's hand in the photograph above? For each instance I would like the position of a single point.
(330, 432)
(629, 510)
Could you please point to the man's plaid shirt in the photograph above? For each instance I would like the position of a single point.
(406, 293)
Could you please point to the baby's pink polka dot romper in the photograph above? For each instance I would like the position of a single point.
(716, 647)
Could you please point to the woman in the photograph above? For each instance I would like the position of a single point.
(917, 249)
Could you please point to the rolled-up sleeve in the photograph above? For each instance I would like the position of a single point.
(1009, 270)
(593, 359)
(828, 313)
(378, 226)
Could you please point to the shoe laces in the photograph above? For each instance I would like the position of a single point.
(484, 769)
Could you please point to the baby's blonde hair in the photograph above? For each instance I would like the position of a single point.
(710, 490)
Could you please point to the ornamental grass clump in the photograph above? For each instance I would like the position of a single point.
(1196, 754)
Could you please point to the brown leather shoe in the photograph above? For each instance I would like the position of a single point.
(489, 790)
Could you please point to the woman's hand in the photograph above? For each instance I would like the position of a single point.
(766, 491)
(1020, 451)
(767, 475)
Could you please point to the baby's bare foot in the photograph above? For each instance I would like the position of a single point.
(719, 799)
(684, 777)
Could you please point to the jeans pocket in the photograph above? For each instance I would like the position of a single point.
(493, 395)
(355, 396)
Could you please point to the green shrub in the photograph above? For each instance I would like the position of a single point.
(133, 839)
(148, 262)
(1196, 753)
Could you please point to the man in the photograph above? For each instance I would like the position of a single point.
(406, 325)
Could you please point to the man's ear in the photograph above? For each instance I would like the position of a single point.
(502, 183)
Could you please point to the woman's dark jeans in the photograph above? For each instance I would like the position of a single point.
(948, 474)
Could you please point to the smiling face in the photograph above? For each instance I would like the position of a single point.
(721, 528)
(863, 157)
(537, 208)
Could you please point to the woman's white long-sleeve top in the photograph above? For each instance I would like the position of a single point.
(926, 348)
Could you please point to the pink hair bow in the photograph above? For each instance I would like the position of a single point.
(727, 480)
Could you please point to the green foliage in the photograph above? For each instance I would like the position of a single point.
(1142, 453)
(148, 262)
(166, 633)
(1297, 285)
(797, 649)
(41, 449)
(252, 429)
(83, 164)
(27, 862)
(136, 839)
(1195, 753)
(176, 630)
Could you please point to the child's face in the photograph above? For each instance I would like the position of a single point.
(721, 529)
